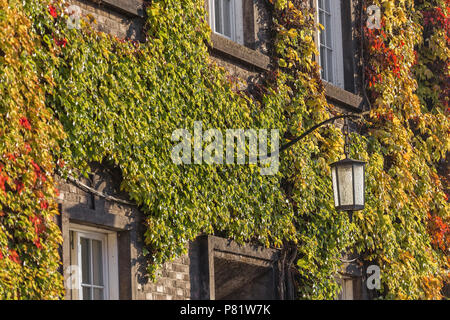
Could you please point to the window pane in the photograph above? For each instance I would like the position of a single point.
(327, 5)
(227, 17)
(85, 261)
(98, 294)
(322, 32)
(218, 15)
(330, 65)
(87, 293)
(97, 262)
(328, 30)
(321, 4)
(323, 62)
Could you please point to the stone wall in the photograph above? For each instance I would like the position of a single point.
(173, 282)
(123, 19)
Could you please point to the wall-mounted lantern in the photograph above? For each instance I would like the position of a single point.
(348, 184)
(348, 180)
(347, 174)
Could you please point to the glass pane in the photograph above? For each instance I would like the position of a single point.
(218, 16)
(321, 4)
(87, 293)
(328, 30)
(98, 294)
(227, 18)
(97, 262)
(327, 5)
(359, 184)
(322, 32)
(323, 62)
(85, 261)
(345, 185)
(330, 65)
(333, 177)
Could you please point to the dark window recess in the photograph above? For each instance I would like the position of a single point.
(236, 280)
(348, 45)
(123, 247)
(249, 24)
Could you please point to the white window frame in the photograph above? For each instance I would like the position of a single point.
(336, 43)
(237, 23)
(109, 257)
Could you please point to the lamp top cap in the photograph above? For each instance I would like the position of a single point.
(348, 161)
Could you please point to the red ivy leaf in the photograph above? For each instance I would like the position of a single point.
(25, 123)
(53, 12)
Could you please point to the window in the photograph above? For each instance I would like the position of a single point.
(331, 57)
(346, 289)
(91, 254)
(226, 19)
(93, 258)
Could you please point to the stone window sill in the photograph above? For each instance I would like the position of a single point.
(130, 7)
(239, 52)
(343, 97)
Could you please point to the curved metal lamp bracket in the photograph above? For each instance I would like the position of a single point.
(312, 129)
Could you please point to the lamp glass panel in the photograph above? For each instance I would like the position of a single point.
(359, 184)
(345, 180)
(335, 189)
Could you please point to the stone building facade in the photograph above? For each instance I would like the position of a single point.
(103, 238)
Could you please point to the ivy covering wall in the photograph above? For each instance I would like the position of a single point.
(29, 138)
(72, 97)
(407, 137)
